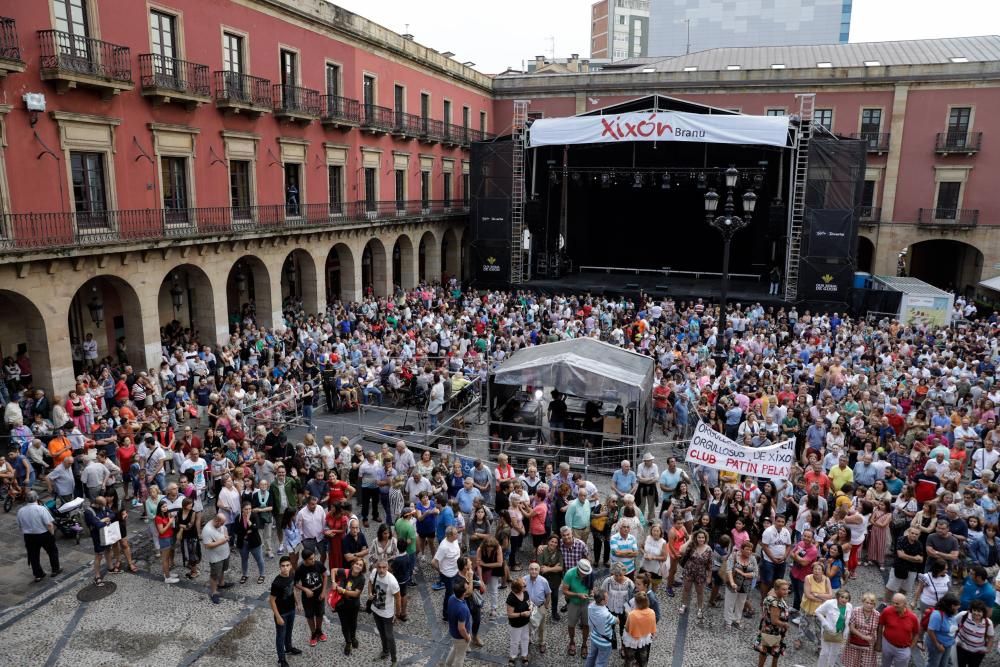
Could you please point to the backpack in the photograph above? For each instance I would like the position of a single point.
(926, 618)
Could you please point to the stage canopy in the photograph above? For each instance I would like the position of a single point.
(582, 367)
(662, 126)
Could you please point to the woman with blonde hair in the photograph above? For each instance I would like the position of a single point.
(862, 634)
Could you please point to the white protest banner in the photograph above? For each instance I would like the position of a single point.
(714, 450)
(664, 126)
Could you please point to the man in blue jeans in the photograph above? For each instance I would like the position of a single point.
(602, 629)
(282, 601)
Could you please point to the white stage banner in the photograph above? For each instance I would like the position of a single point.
(660, 126)
(711, 448)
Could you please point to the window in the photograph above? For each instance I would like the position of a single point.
(447, 189)
(868, 194)
(89, 189)
(371, 189)
(289, 72)
(333, 80)
(824, 65)
(871, 127)
(335, 187)
(239, 188)
(958, 59)
(872, 63)
(959, 121)
(293, 186)
(777, 66)
(425, 189)
(466, 117)
(446, 111)
(949, 193)
(775, 112)
(368, 91)
(232, 64)
(465, 189)
(482, 124)
(162, 32)
(71, 17)
(824, 117)
(732, 68)
(399, 98)
(175, 189)
(400, 189)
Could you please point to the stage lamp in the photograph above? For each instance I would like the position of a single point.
(711, 201)
(96, 308)
(554, 178)
(732, 175)
(701, 180)
(665, 184)
(538, 394)
(637, 180)
(605, 180)
(177, 296)
(758, 180)
(749, 201)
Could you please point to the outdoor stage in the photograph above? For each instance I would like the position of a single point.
(658, 285)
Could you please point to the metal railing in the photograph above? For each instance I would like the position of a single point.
(407, 124)
(877, 142)
(341, 108)
(961, 217)
(869, 213)
(958, 142)
(40, 231)
(376, 117)
(295, 99)
(431, 129)
(63, 52)
(10, 47)
(237, 88)
(156, 71)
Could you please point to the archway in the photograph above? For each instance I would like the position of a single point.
(339, 273)
(248, 292)
(186, 300)
(298, 280)
(451, 254)
(865, 259)
(946, 263)
(402, 263)
(374, 269)
(24, 338)
(105, 310)
(429, 254)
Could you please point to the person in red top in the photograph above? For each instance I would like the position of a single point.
(815, 475)
(897, 423)
(121, 392)
(898, 632)
(336, 528)
(126, 457)
(339, 489)
(661, 399)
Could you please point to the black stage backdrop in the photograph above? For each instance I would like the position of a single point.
(490, 175)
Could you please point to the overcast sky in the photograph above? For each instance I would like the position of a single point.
(495, 35)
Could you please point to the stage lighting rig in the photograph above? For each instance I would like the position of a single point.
(637, 180)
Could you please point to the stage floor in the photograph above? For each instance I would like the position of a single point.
(678, 287)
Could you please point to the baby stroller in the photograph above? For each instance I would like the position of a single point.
(66, 517)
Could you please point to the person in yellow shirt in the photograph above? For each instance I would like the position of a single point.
(841, 473)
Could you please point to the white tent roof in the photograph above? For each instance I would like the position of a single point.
(582, 367)
(991, 283)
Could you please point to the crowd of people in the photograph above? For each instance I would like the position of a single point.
(897, 449)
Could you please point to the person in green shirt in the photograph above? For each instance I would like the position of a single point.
(578, 515)
(406, 532)
(576, 591)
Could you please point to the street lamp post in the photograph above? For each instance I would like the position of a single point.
(728, 224)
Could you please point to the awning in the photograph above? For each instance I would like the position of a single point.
(582, 367)
(991, 284)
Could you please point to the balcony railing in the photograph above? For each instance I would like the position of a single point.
(10, 47)
(876, 142)
(377, 118)
(45, 231)
(431, 130)
(958, 142)
(160, 74)
(957, 217)
(406, 124)
(242, 90)
(296, 101)
(63, 53)
(480, 135)
(341, 110)
(870, 214)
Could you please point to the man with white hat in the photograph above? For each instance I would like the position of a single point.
(647, 473)
(576, 590)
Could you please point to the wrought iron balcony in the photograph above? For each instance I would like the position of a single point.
(451, 134)
(958, 142)
(869, 215)
(296, 104)
(174, 80)
(406, 125)
(73, 60)
(341, 112)
(431, 131)
(480, 135)
(35, 232)
(876, 142)
(242, 93)
(949, 217)
(10, 48)
(377, 119)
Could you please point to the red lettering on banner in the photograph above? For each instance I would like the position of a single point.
(609, 129)
(699, 455)
(663, 127)
(649, 128)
